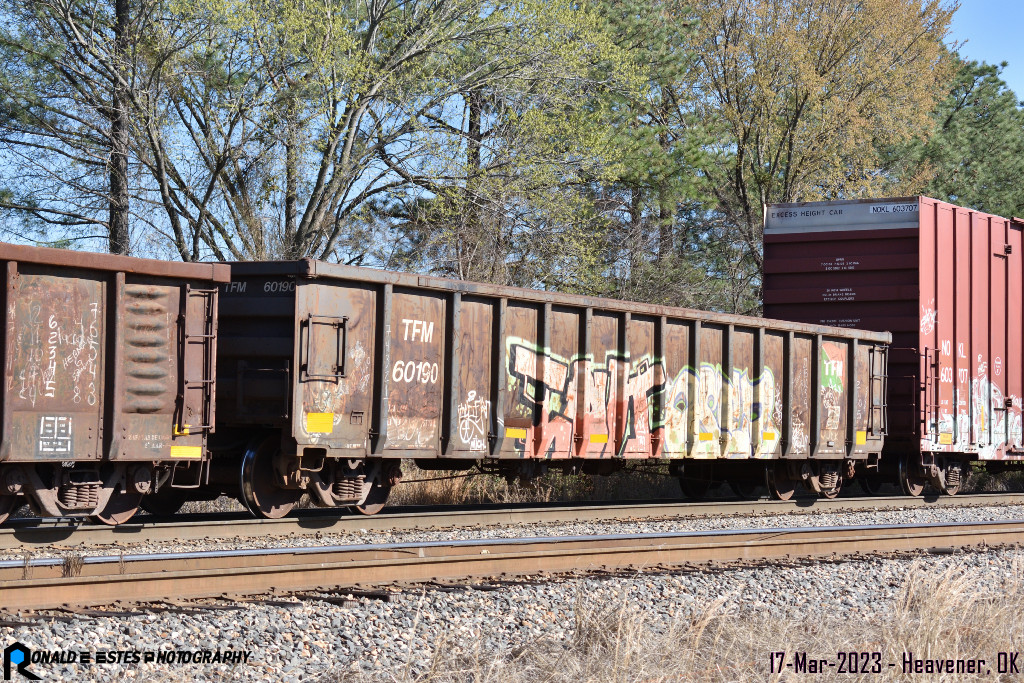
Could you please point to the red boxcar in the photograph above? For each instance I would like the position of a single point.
(947, 282)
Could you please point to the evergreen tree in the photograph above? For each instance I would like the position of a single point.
(977, 149)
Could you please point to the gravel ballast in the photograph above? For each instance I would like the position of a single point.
(312, 639)
(945, 515)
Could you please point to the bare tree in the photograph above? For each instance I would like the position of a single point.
(69, 69)
(241, 130)
(803, 93)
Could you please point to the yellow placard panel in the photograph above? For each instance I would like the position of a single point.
(515, 433)
(319, 423)
(186, 452)
(707, 436)
(598, 438)
(945, 439)
(862, 438)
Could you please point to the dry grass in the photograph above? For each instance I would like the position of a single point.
(980, 481)
(635, 482)
(222, 504)
(423, 487)
(940, 617)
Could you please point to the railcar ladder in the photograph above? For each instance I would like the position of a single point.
(199, 349)
(929, 388)
(878, 396)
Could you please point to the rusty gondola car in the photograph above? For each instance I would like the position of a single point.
(108, 395)
(328, 376)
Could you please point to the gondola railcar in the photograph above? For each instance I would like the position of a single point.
(328, 376)
(108, 393)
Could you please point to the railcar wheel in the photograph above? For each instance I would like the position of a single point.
(164, 503)
(695, 479)
(694, 488)
(781, 486)
(8, 504)
(119, 509)
(260, 494)
(871, 484)
(912, 484)
(375, 501)
(745, 489)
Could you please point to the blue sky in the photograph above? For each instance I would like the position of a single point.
(992, 31)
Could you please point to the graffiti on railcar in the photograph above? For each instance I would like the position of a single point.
(332, 396)
(55, 355)
(831, 389)
(544, 389)
(984, 421)
(640, 388)
(747, 413)
(802, 395)
(408, 430)
(474, 416)
(929, 316)
(553, 393)
(750, 414)
(994, 425)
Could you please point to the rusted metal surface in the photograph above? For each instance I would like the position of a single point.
(66, 258)
(394, 365)
(211, 574)
(945, 280)
(107, 361)
(20, 534)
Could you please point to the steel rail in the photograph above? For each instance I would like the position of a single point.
(19, 534)
(132, 579)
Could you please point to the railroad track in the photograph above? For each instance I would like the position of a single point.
(52, 583)
(19, 534)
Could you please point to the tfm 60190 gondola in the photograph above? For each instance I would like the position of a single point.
(328, 376)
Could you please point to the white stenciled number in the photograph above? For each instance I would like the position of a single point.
(409, 371)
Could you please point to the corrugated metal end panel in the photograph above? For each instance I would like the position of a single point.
(408, 366)
(106, 357)
(946, 281)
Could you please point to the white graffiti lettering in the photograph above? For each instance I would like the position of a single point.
(474, 413)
